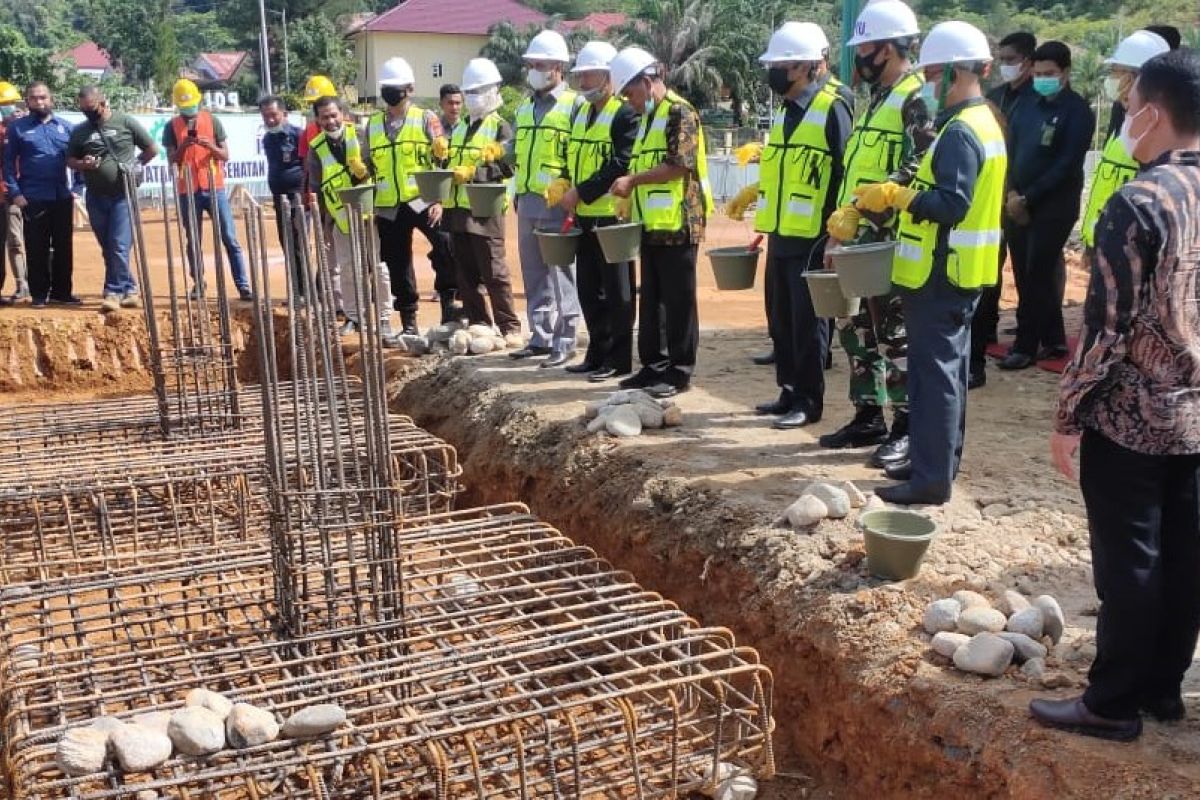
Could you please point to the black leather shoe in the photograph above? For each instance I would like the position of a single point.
(764, 359)
(795, 419)
(1072, 715)
(604, 373)
(1165, 709)
(663, 389)
(529, 352)
(977, 379)
(641, 379)
(557, 360)
(893, 451)
(781, 405)
(1015, 361)
(899, 470)
(866, 428)
(69, 300)
(905, 494)
(582, 367)
(1052, 353)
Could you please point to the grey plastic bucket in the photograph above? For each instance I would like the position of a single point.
(734, 267)
(362, 194)
(827, 299)
(620, 242)
(435, 184)
(486, 199)
(896, 541)
(865, 270)
(558, 249)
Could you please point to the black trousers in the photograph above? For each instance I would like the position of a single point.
(1041, 277)
(606, 296)
(441, 258)
(800, 337)
(482, 269)
(48, 248)
(1144, 518)
(669, 328)
(291, 227)
(984, 327)
(395, 248)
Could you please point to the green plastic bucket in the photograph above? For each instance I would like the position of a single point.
(827, 299)
(897, 541)
(435, 184)
(865, 270)
(620, 242)
(734, 267)
(558, 249)
(486, 199)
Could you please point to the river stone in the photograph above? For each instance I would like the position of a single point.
(1013, 602)
(249, 726)
(26, 656)
(739, 787)
(977, 620)
(1034, 668)
(147, 794)
(941, 615)
(1029, 622)
(968, 599)
(196, 731)
(154, 720)
(985, 654)
(1025, 647)
(625, 396)
(857, 498)
(480, 331)
(460, 343)
(623, 422)
(482, 344)
(592, 408)
(806, 512)
(314, 721)
(1052, 616)
(837, 502)
(651, 414)
(81, 751)
(140, 749)
(672, 416)
(15, 592)
(598, 424)
(215, 702)
(946, 643)
(106, 725)
(458, 584)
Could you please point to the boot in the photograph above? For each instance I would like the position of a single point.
(866, 428)
(895, 449)
(408, 323)
(450, 311)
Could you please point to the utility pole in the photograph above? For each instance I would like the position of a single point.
(264, 48)
(287, 61)
(849, 17)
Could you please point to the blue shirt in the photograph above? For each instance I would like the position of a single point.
(35, 159)
(285, 168)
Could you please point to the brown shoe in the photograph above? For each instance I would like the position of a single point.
(1072, 715)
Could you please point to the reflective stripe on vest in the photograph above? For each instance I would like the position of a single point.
(397, 159)
(196, 159)
(468, 152)
(877, 145)
(794, 175)
(659, 206)
(334, 174)
(542, 144)
(1115, 169)
(972, 260)
(589, 149)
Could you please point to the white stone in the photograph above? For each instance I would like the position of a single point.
(481, 331)
(140, 749)
(106, 725)
(672, 416)
(598, 424)
(837, 502)
(1025, 647)
(250, 726)
(946, 643)
(806, 512)
(623, 422)
(215, 702)
(147, 794)
(651, 414)
(592, 408)
(624, 396)
(739, 787)
(154, 720)
(482, 344)
(1029, 622)
(968, 599)
(1052, 616)
(460, 343)
(874, 503)
(941, 615)
(81, 751)
(196, 731)
(1012, 602)
(458, 584)
(514, 341)
(314, 721)
(26, 656)
(15, 592)
(1034, 668)
(857, 498)
(985, 654)
(978, 620)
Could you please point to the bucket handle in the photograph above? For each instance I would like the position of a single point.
(813, 251)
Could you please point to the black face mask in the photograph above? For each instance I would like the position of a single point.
(393, 95)
(778, 80)
(866, 67)
(94, 115)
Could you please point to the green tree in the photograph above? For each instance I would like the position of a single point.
(20, 62)
(316, 45)
(683, 34)
(128, 31)
(201, 32)
(166, 60)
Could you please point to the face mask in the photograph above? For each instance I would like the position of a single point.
(594, 95)
(94, 115)
(483, 103)
(1010, 72)
(778, 80)
(189, 111)
(275, 128)
(1127, 139)
(929, 93)
(7, 111)
(538, 79)
(337, 134)
(393, 95)
(866, 68)
(1047, 85)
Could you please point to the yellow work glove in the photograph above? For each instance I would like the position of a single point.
(843, 223)
(736, 209)
(880, 197)
(464, 174)
(357, 168)
(555, 191)
(621, 207)
(440, 148)
(492, 151)
(750, 151)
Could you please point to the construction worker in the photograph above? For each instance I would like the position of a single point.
(477, 147)
(401, 141)
(949, 241)
(543, 130)
(12, 235)
(194, 140)
(886, 144)
(336, 162)
(800, 174)
(315, 88)
(668, 186)
(601, 146)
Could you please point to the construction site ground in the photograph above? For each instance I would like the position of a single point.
(862, 707)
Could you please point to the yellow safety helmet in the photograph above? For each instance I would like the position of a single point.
(9, 94)
(318, 86)
(185, 94)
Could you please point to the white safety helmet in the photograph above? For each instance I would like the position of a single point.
(796, 41)
(480, 72)
(396, 72)
(954, 42)
(594, 56)
(628, 64)
(882, 21)
(1137, 48)
(548, 46)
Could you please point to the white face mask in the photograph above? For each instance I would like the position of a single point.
(1010, 72)
(483, 103)
(1127, 140)
(338, 134)
(539, 80)
(1112, 88)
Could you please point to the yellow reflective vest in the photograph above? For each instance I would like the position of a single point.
(974, 244)
(589, 149)
(659, 207)
(397, 159)
(335, 175)
(876, 147)
(541, 147)
(1115, 169)
(469, 152)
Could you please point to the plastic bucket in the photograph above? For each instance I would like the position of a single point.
(734, 267)
(896, 542)
(620, 242)
(362, 195)
(435, 184)
(486, 199)
(865, 270)
(558, 249)
(825, 289)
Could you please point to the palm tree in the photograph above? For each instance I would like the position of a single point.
(683, 35)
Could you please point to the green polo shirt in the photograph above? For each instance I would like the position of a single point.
(122, 137)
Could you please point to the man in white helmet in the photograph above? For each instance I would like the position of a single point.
(948, 245)
(601, 145)
(400, 142)
(542, 131)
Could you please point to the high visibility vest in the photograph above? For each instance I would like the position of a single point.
(335, 175)
(468, 152)
(876, 147)
(972, 260)
(542, 144)
(794, 175)
(1116, 168)
(659, 206)
(589, 149)
(195, 158)
(397, 159)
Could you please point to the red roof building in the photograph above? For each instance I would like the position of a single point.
(217, 70)
(463, 17)
(599, 22)
(89, 59)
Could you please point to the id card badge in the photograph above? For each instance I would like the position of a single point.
(1048, 129)
(418, 205)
